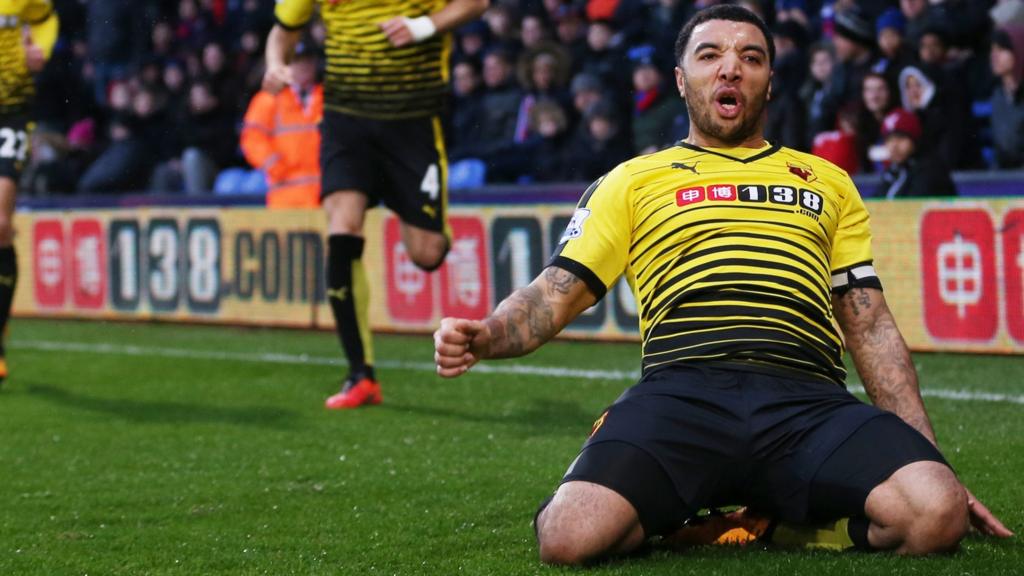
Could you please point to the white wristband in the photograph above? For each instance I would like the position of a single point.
(421, 27)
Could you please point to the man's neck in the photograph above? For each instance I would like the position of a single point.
(704, 141)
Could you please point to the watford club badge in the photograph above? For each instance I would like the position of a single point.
(802, 170)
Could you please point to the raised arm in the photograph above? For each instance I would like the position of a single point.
(524, 321)
(883, 362)
(280, 47)
(40, 35)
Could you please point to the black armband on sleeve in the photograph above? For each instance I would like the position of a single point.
(38, 21)
(581, 272)
(861, 275)
(289, 27)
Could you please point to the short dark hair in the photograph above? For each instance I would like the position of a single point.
(723, 12)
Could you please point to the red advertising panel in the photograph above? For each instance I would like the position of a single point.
(721, 192)
(958, 265)
(410, 290)
(1013, 269)
(88, 264)
(465, 286)
(687, 196)
(50, 286)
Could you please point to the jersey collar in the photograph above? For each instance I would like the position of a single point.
(739, 154)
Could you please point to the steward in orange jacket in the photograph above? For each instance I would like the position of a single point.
(281, 137)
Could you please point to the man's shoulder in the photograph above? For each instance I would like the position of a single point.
(820, 166)
(667, 158)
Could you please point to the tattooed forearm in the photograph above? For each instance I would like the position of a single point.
(521, 323)
(881, 356)
(536, 313)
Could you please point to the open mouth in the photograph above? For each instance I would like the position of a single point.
(728, 103)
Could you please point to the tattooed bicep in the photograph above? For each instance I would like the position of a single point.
(560, 280)
(856, 301)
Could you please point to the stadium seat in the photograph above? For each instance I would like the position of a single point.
(255, 182)
(232, 181)
(981, 111)
(229, 181)
(468, 173)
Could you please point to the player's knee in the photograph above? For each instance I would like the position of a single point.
(939, 526)
(429, 254)
(557, 541)
(561, 549)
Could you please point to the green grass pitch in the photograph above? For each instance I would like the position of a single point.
(161, 449)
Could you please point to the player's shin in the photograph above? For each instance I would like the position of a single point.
(8, 281)
(348, 293)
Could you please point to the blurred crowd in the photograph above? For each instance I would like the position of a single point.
(150, 94)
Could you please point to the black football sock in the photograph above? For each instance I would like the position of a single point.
(348, 292)
(8, 280)
(858, 531)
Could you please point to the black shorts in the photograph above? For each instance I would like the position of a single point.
(15, 134)
(401, 163)
(688, 438)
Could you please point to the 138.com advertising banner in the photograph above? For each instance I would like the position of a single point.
(953, 271)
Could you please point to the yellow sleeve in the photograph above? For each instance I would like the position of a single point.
(595, 244)
(43, 24)
(293, 14)
(852, 243)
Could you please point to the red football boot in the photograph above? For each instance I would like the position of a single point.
(355, 393)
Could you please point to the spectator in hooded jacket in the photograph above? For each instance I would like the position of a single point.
(944, 112)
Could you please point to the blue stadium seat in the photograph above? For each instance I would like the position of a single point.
(228, 181)
(255, 182)
(981, 110)
(468, 173)
(232, 181)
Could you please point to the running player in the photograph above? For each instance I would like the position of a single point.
(381, 142)
(740, 253)
(28, 31)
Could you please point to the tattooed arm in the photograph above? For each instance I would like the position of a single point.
(526, 319)
(881, 356)
(889, 377)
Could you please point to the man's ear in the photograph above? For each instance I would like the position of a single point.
(770, 74)
(680, 82)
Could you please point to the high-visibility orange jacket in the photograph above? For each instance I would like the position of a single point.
(281, 137)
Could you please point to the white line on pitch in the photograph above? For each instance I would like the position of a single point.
(490, 368)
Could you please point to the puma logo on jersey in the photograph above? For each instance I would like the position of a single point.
(685, 166)
(430, 211)
(338, 293)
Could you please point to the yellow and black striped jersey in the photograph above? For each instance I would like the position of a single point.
(16, 86)
(365, 75)
(732, 254)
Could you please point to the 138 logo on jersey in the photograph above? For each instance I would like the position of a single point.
(810, 202)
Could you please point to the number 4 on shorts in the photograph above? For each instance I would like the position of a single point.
(431, 183)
